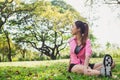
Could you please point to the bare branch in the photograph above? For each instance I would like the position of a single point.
(45, 49)
(35, 35)
(115, 2)
(63, 47)
(33, 44)
(48, 47)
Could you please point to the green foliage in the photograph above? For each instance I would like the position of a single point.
(100, 53)
(51, 71)
(42, 22)
(112, 49)
(45, 29)
(4, 47)
(17, 52)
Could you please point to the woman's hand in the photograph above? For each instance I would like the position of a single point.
(87, 70)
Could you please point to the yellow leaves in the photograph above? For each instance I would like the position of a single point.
(57, 16)
(3, 42)
(18, 1)
(50, 13)
(2, 0)
(41, 7)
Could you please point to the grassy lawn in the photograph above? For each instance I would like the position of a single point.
(48, 70)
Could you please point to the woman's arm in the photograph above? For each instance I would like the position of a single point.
(86, 63)
(87, 58)
(88, 52)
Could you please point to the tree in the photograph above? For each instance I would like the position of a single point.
(111, 3)
(108, 45)
(7, 48)
(106, 1)
(3, 47)
(8, 9)
(47, 32)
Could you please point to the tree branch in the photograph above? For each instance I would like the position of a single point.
(35, 35)
(4, 4)
(33, 44)
(63, 47)
(44, 49)
(116, 2)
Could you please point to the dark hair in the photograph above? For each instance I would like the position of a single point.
(84, 31)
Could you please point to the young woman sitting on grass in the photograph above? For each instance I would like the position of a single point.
(80, 53)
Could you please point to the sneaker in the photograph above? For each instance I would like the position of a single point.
(107, 63)
(102, 71)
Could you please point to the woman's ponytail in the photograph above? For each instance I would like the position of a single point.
(85, 34)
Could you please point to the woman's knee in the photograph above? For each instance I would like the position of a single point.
(87, 73)
(77, 70)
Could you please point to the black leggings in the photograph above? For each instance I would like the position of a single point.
(71, 66)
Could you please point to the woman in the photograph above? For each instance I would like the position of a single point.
(80, 52)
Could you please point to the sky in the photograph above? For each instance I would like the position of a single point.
(108, 24)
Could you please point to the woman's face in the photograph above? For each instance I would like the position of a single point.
(74, 30)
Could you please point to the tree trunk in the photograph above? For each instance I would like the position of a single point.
(0, 59)
(53, 57)
(23, 53)
(1, 23)
(9, 47)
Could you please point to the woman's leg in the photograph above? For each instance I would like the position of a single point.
(80, 70)
(99, 65)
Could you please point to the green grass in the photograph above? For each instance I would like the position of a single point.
(47, 70)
